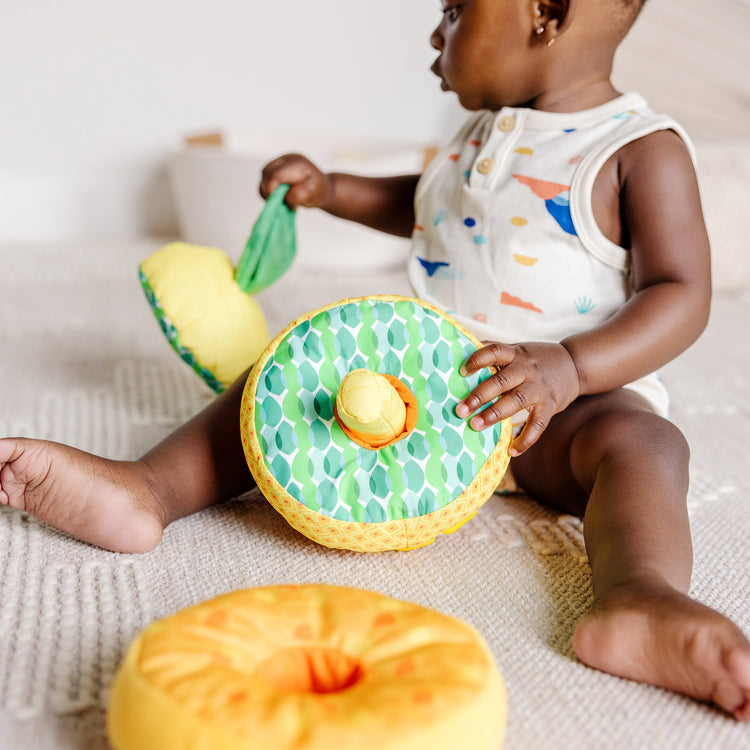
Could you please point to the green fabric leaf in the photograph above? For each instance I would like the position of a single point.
(271, 247)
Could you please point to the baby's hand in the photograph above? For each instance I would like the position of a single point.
(540, 378)
(308, 185)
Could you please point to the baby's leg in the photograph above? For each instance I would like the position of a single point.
(124, 505)
(610, 459)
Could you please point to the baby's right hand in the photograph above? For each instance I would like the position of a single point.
(308, 185)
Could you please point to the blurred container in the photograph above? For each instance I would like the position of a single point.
(215, 177)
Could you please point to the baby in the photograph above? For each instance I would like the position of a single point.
(564, 216)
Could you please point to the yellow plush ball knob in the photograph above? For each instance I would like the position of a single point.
(370, 407)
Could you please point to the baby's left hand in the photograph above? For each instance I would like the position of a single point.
(538, 377)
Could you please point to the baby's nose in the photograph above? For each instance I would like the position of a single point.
(436, 39)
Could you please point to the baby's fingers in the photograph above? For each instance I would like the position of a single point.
(304, 178)
(500, 382)
(276, 172)
(493, 354)
(536, 424)
(505, 407)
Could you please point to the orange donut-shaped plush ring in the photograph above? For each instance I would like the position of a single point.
(349, 428)
(307, 668)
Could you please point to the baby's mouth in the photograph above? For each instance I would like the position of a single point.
(435, 68)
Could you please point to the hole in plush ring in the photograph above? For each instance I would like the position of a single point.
(310, 669)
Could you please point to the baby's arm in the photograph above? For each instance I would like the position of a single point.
(657, 194)
(671, 269)
(384, 203)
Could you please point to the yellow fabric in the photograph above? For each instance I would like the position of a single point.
(223, 327)
(389, 675)
(369, 405)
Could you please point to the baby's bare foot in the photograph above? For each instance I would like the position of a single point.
(108, 503)
(664, 638)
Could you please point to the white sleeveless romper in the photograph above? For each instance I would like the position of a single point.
(505, 238)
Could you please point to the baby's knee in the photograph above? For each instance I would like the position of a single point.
(656, 435)
(669, 440)
(635, 436)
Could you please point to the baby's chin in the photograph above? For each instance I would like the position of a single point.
(471, 100)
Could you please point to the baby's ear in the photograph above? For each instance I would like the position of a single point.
(552, 17)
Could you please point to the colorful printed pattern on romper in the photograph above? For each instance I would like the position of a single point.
(309, 454)
(513, 301)
(441, 270)
(556, 199)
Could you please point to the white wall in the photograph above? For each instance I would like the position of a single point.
(94, 94)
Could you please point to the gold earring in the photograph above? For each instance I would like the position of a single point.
(551, 41)
(540, 30)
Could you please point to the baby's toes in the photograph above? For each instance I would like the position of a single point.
(739, 668)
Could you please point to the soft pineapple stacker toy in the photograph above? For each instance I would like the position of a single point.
(348, 417)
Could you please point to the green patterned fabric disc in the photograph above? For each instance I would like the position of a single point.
(170, 332)
(308, 453)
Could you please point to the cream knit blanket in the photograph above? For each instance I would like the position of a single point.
(83, 362)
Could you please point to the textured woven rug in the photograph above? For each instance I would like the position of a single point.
(83, 362)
